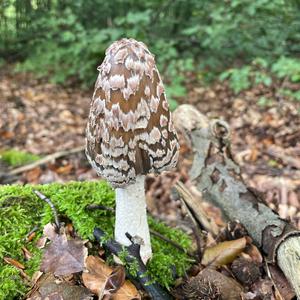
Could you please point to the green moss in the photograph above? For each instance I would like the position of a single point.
(16, 158)
(21, 211)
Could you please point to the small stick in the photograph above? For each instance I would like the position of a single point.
(174, 244)
(279, 153)
(100, 207)
(48, 201)
(194, 207)
(44, 160)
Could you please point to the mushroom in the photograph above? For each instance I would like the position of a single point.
(130, 134)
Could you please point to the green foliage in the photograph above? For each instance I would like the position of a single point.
(16, 158)
(21, 211)
(131, 267)
(238, 78)
(66, 40)
(288, 68)
(261, 72)
(263, 101)
(291, 94)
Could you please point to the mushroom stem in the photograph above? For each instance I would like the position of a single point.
(131, 216)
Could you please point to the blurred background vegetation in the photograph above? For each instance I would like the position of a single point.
(243, 41)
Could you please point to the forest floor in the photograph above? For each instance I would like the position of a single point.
(43, 118)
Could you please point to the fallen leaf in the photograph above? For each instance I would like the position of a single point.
(14, 263)
(100, 276)
(48, 287)
(26, 253)
(31, 236)
(49, 231)
(64, 169)
(41, 242)
(223, 253)
(63, 257)
(115, 280)
(254, 253)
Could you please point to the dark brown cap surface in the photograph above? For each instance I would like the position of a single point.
(130, 131)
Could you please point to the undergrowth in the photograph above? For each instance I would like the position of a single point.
(17, 158)
(21, 211)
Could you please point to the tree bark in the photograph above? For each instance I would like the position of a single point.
(217, 176)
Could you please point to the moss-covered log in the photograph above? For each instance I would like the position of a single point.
(21, 210)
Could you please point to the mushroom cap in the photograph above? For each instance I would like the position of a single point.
(130, 131)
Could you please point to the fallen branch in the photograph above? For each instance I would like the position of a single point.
(151, 287)
(218, 178)
(44, 160)
(196, 209)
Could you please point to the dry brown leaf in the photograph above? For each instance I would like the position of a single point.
(99, 274)
(63, 257)
(254, 253)
(49, 287)
(64, 169)
(223, 253)
(49, 231)
(27, 254)
(14, 263)
(115, 280)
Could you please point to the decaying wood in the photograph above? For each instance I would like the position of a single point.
(289, 262)
(196, 209)
(218, 178)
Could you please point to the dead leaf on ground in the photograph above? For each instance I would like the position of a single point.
(49, 231)
(254, 253)
(48, 287)
(27, 254)
(14, 263)
(100, 278)
(113, 283)
(223, 253)
(63, 257)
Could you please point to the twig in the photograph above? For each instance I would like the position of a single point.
(48, 201)
(151, 287)
(195, 226)
(195, 208)
(278, 153)
(271, 278)
(100, 207)
(44, 160)
(174, 244)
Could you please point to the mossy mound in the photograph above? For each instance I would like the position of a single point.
(17, 158)
(21, 211)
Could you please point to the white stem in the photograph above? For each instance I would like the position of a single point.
(131, 216)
